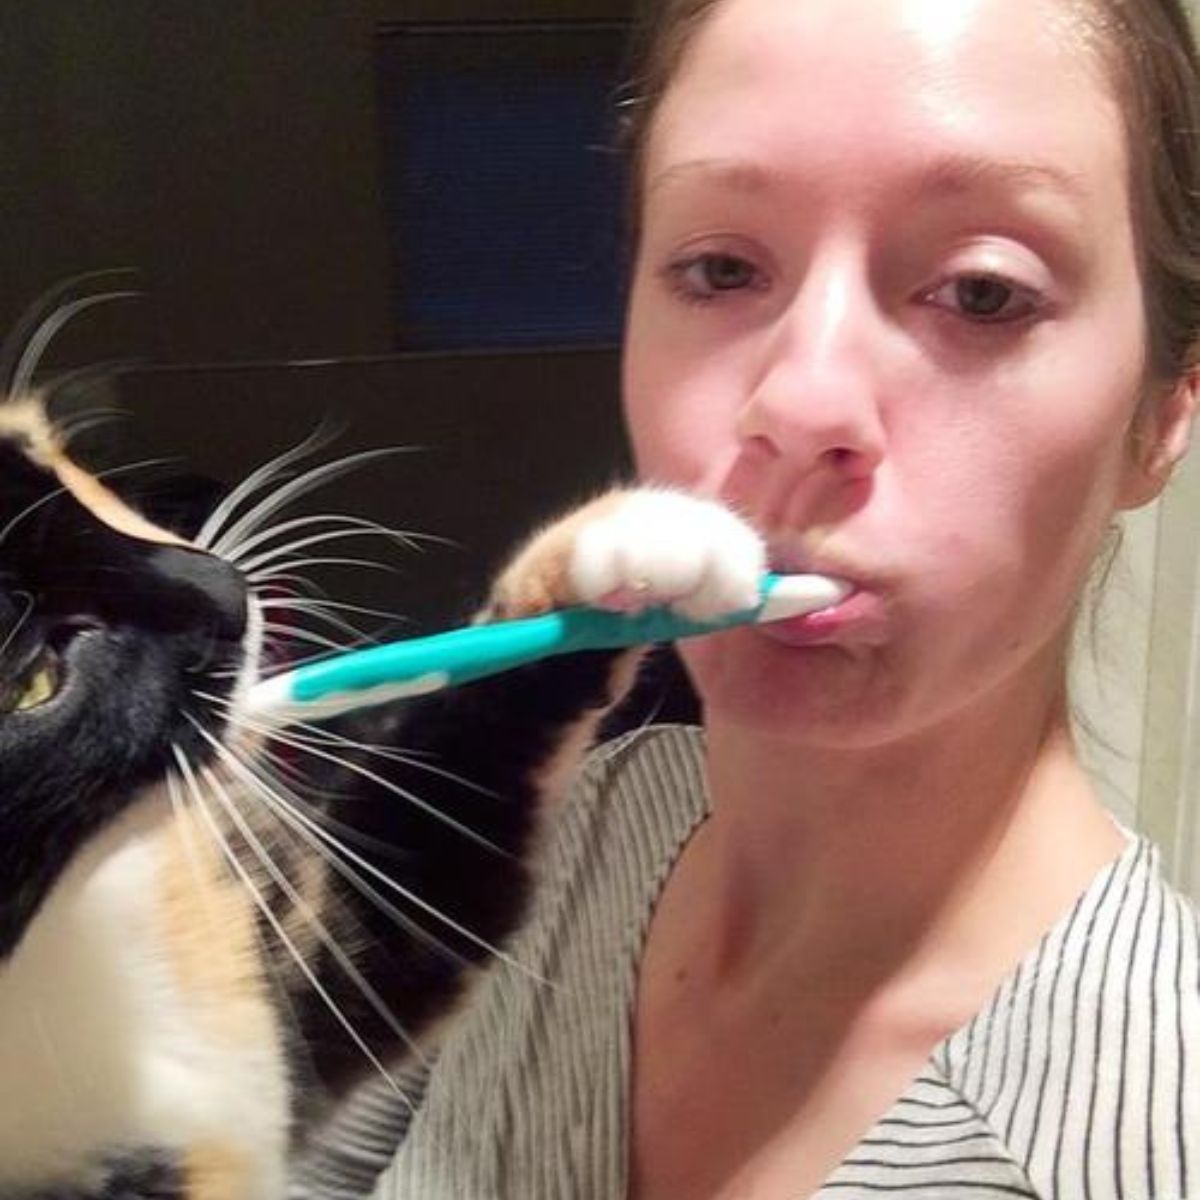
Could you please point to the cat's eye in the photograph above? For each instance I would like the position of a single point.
(34, 686)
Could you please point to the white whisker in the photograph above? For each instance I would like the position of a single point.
(296, 634)
(57, 492)
(316, 613)
(257, 479)
(270, 916)
(410, 541)
(183, 823)
(20, 622)
(255, 565)
(71, 430)
(303, 605)
(311, 918)
(247, 773)
(46, 332)
(258, 578)
(227, 544)
(34, 316)
(395, 790)
(288, 808)
(303, 735)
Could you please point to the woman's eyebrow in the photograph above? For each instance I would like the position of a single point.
(970, 173)
(740, 175)
(947, 175)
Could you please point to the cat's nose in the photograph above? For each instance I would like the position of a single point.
(211, 590)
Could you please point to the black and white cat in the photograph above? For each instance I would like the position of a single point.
(203, 946)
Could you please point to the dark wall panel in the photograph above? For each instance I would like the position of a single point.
(498, 443)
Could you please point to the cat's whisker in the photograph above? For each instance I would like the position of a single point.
(333, 852)
(20, 622)
(312, 747)
(286, 587)
(306, 604)
(301, 735)
(263, 476)
(321, 614)
(258, 578)
(275, 553)
(309, 915)
(395, 790)
(366, 528)
(283, 771)
(288, 809)
(48, 330)
(185, 827)
(36, 314)
(229, 541)
(247, 774)
(285, 776)
(71, 430)
(295, 633)
(55, 493)
(318, 736)
(272, 918)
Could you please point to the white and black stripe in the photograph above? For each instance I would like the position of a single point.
(1080, 1080)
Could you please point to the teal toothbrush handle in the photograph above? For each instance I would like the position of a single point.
(410, 668)
(460, 655)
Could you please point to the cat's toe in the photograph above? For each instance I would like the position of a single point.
(661, 547)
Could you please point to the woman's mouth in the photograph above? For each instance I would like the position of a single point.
(855, 612)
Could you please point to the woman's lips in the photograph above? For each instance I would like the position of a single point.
(859, 617)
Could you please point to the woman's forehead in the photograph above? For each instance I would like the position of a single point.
(789, 85)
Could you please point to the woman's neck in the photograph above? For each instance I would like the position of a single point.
(940, 858)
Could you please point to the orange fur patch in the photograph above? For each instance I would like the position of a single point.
(536, 578)
(25, 420)
(210, 938)
(218, 1172)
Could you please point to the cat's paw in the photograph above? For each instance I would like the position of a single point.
(638, 549)
(660, 547)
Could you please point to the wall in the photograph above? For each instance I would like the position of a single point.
(229, 151)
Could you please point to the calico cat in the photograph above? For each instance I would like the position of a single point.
(204, 945)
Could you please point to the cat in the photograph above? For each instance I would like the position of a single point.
(205, 946)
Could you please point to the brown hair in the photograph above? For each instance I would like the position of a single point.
(1149, 51)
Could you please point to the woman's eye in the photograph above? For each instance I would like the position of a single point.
(36, 685)
(705, 276)
(986, 299)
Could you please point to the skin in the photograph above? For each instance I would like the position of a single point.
(887, 304)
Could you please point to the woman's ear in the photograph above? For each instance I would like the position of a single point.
(1159, 439)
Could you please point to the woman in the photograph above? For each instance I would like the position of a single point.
(914, 292)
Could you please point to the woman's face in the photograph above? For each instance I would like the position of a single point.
(887, 304)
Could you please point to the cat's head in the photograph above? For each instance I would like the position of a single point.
(119, 644)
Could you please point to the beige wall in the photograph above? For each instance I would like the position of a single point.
(1137, 676)
(1169, 800)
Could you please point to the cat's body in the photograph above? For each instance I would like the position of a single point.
(158, 1035)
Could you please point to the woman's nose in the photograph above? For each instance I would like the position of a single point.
(815, 403)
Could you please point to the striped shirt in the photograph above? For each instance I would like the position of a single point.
(1079, 1079)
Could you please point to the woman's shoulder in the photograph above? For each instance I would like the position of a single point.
(1086, 1063)
(658, 759)
(541, 1056)
(633, 805)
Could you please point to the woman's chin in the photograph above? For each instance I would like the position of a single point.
(824, 693)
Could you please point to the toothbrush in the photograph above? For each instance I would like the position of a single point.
(417, 666)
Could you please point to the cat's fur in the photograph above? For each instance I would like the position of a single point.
(158, 1036)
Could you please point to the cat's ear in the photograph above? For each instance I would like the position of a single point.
(1159, 438)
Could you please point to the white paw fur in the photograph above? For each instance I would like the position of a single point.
(668, 548)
